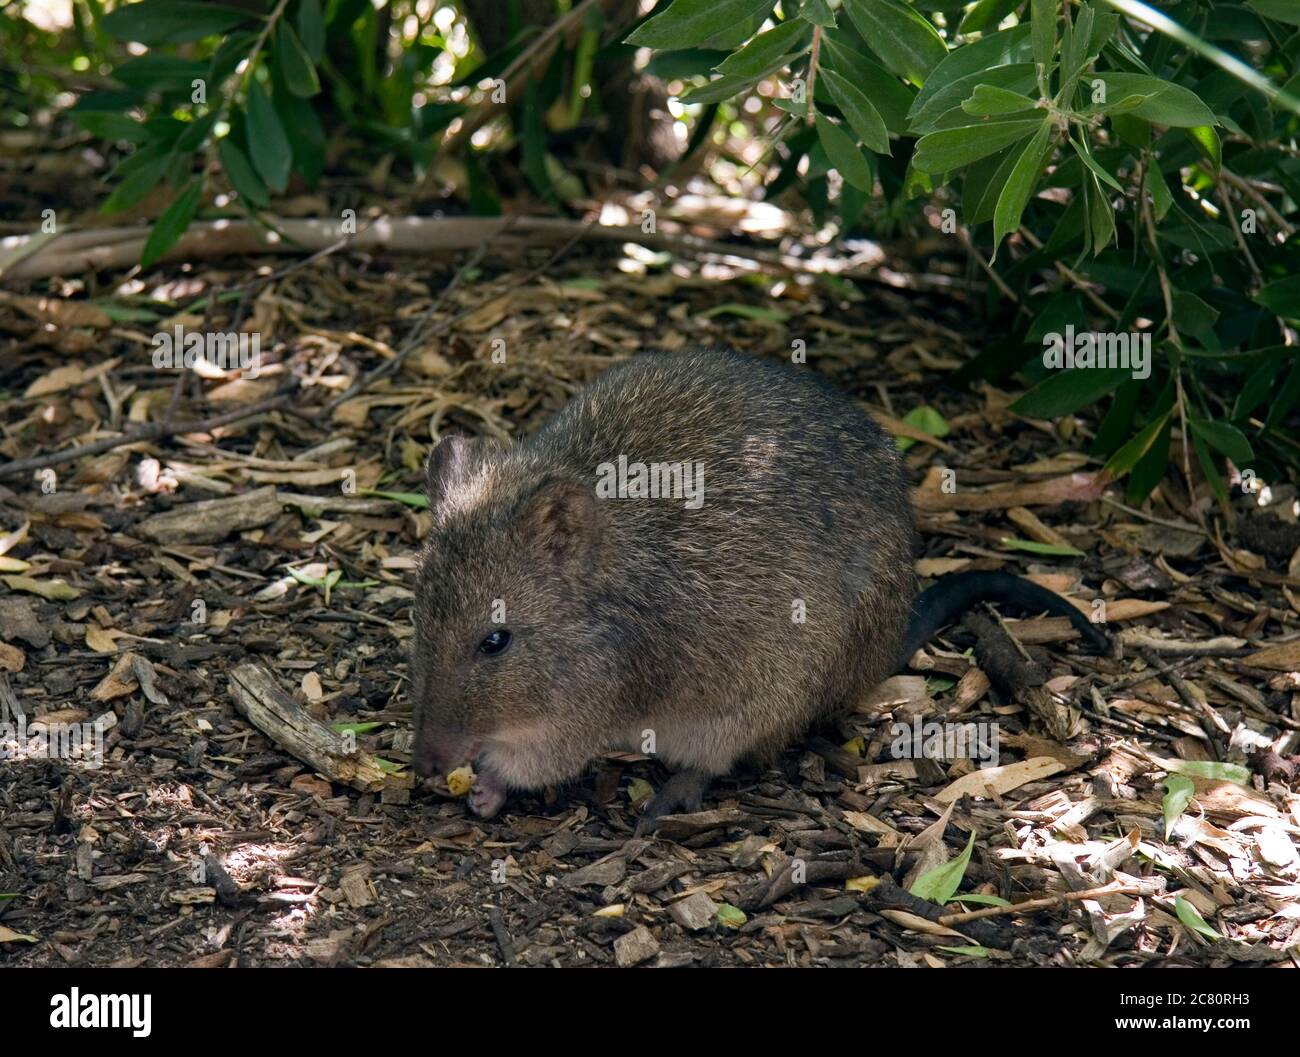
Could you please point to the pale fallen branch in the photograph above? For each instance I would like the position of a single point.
(1029, 906)
(149, 431)
(81, 251)
(263, 702)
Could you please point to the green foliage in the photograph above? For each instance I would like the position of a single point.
(252, 94)
(1119, 170)
(1153, 168)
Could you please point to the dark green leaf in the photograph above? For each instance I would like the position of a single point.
(1194, 316)
(196, 133)
(1101, 214)
(1043, 14)
(949, 149)
(138, 182)
(109, 126)
(983, 183)
(239, 171)
(759, 54)
(1282, 296)
(862, 117)
(903, 39)
(818, 12)
(1211, 471)
(688, 23)
(1009, 47)
(1085, 155)
(1127, 457)
(1075, 43)
(295, 64)
(1066, 391)
(267, 143)
(159, 73)
(1282, 10)
(943, 108)
(172, 224)
(844, 154)
(1224, 437)
(887, 93)
(311, 29)
(1165, 103)
(986, 15)
(155, 22)
(1025, 175)
(232, 51)
(1161, 198)
(989, 99)
(1151, 466)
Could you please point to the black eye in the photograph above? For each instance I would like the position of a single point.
(495, 644)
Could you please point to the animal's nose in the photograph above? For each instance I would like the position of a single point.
(438, 750)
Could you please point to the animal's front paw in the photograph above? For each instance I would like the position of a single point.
(487, 796)
(684, 791)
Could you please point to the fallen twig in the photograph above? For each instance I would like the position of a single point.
(150, 431)
(1115, 888)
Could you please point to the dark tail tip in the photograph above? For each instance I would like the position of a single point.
(953, 595)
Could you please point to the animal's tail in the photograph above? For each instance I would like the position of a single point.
(953, 595)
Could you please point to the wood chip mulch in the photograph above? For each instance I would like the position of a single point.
(200, 841)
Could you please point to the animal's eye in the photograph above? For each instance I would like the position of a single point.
(495, 644)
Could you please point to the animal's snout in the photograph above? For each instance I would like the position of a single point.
(438, 750)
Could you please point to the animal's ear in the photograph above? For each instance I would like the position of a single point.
(560, 519)
(448, 462)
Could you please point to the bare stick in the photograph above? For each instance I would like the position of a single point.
(1115, 888)
(151, 431)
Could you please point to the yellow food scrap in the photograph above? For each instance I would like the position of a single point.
(460, 781)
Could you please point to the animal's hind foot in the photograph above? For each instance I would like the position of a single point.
(682, 793)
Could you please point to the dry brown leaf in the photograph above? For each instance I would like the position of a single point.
(60, 717)
(1000, 779)
(940, 566)
(241, 391)
(896, 692)
(919, 924)
(866, 823)
(12, 659)
(1283, 658)
(102, 640)
(117, 683)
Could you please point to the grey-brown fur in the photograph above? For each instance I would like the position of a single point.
(640, 614)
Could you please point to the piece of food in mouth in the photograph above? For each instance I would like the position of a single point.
(460, 781)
